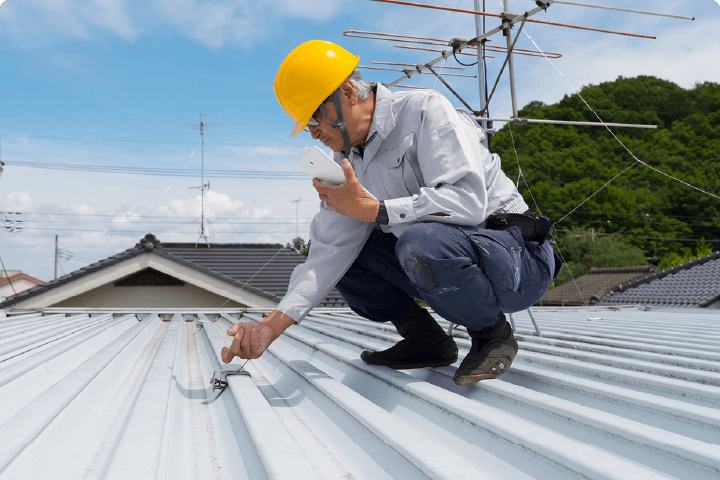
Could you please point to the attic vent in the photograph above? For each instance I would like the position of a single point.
(149, 278)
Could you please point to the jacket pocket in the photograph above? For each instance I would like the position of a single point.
(403, 168)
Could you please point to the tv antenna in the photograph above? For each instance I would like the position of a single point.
(200, 127)
(455, 47)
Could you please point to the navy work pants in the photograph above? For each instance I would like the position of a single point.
(468, 275)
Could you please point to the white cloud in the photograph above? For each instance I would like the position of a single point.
(212, 23)
(216, 205)
(68, 17)
(16, 202)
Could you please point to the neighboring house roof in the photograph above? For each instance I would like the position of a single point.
(593, 286)
(604, 394)
(237, 262)
(19, 276)
(269, 265)
(692, 284)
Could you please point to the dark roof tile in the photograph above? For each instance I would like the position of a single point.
(692, 284)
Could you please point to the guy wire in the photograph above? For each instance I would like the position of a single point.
(637, 160)
(246, 283)
(552, 233)
(441, 34)
(8, 276)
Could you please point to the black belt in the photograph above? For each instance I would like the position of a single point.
(534, 227)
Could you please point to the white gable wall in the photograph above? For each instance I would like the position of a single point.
(110, 296)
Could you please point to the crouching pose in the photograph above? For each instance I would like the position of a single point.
(424, 213)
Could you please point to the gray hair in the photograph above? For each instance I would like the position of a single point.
(363, 88)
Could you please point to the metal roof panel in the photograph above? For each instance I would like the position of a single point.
(603, 394)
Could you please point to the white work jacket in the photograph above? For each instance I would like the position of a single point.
(422, 156)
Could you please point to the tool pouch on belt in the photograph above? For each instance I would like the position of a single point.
(534, 227)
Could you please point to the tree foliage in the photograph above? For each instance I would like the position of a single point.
(564, 165)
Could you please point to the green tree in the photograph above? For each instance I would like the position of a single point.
(563, 165)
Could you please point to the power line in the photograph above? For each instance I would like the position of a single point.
(645, 238)
(636, 184)
(164, 222)
(636, 214)
(150, 216)
(153, 141)
(656, 224)
(145, 231)
(255, 174)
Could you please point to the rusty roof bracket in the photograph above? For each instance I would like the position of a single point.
(542, 4)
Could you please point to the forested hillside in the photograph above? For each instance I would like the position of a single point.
(563, 165)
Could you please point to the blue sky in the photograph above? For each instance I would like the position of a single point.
(124, 76)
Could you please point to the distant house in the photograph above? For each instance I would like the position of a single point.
(694, 284)
(13, 282)
(175, 275)
(594, 286)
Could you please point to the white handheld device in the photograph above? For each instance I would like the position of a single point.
(319, 165)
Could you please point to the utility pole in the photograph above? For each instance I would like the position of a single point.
(296, 202)
(56, 255)
(2, 164)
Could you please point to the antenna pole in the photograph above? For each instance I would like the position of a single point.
(203, 186)
(511, 69)
(202, 182)
(56, 255)
(481, 68)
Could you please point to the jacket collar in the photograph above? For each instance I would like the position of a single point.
(383, 118)
(382, 124)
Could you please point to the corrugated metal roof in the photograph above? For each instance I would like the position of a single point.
(605, 394)
(689, 285)
(593, 286)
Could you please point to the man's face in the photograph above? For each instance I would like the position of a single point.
(329, 136)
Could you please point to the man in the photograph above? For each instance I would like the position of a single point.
(407, 223)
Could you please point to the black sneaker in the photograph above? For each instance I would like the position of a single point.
(490, 360)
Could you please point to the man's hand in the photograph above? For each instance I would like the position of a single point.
(250, 339)
(350, 198)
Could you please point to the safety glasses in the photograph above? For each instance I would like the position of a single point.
(312, 122)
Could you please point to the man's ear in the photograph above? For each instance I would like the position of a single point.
(348, 90)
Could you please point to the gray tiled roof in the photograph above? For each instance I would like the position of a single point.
(233, 263)
(246, 261)
(692, 284)
(593, 286)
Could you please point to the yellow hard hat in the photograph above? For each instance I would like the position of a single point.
(309, 75)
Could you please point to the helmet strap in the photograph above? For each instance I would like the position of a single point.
(339, 123)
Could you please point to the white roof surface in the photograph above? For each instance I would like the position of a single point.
(605, 394)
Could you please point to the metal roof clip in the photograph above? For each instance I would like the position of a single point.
(219, 377)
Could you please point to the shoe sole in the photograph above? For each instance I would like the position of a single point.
(412, 366)
(491, 361)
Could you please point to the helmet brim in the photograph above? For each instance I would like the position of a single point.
(298, 128)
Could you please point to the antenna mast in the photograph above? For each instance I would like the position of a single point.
(203, 234)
